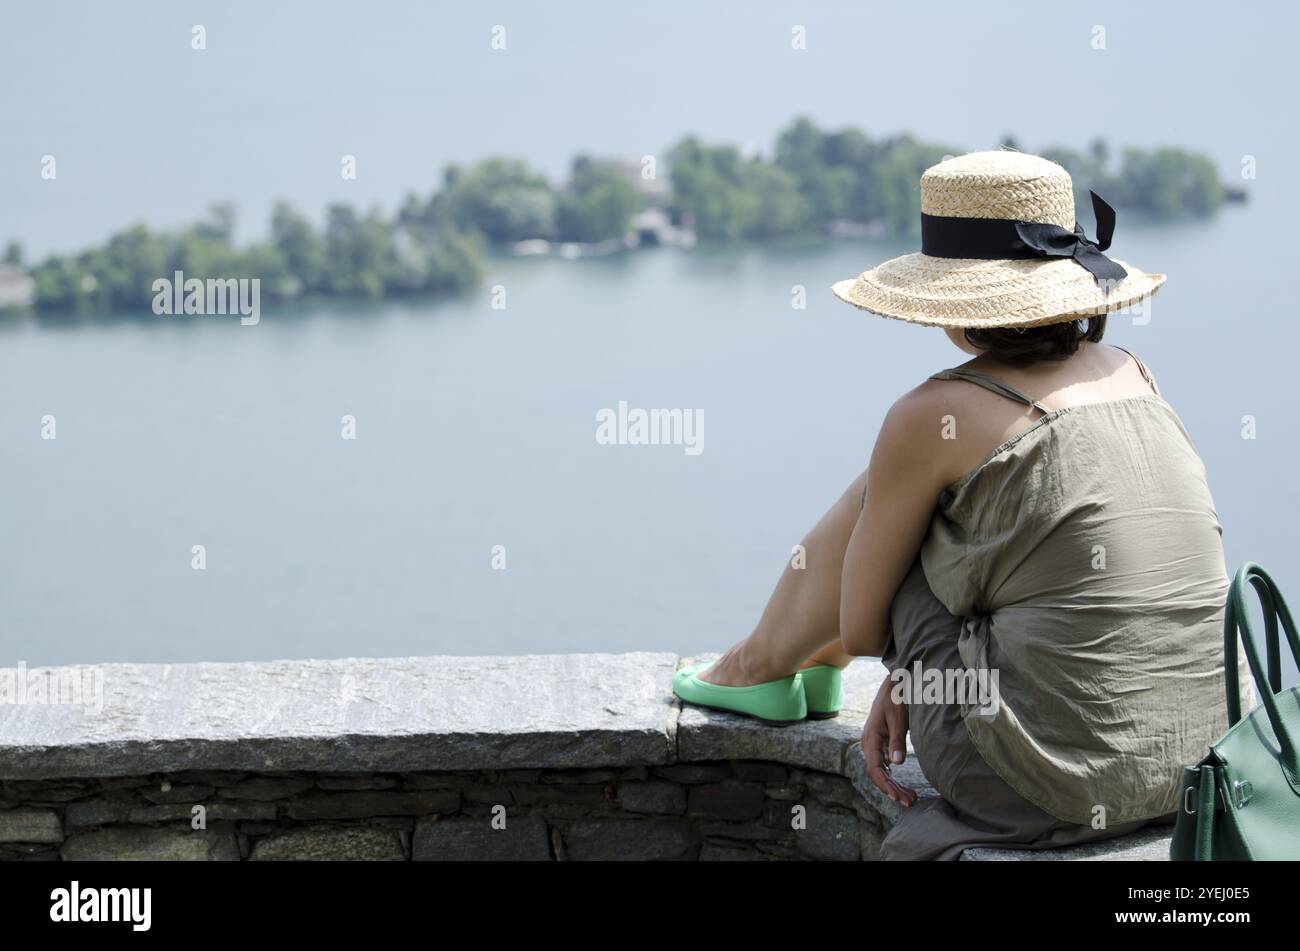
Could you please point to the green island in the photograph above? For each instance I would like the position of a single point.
(815, 182)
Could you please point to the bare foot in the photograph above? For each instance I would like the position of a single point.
(733, 669)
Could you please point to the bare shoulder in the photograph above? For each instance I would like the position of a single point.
(941, 429)
(1126, 361)
(923, 404)
(938, 402)
(918, 436)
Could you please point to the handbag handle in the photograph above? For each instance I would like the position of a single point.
(1237, 620)
(1203, 844)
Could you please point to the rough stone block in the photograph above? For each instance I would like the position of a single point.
(393, 714)
(746, 832)
(779, 851)
(168, 812)
(30, 825)
(786, 792)
(779, 814)
(713, 735)
(832, 790)
(135, 782)
(628, 839)
(353, 783)
(733, 800)
(720, 852)
(43, 792)
(581, 776)
(28, 852)
(241, 811)
(258, 828)
(760, 772)
(266, 788)
(351, 845)
(179, 792)
(829, 835)
(653, 796)
(205, 777)
(524, 839)
(869, 839)
(519, 775)
(94, 812)
(565, 795)
(135, 843)
(363, 805)
(695, 772)
(437, 781)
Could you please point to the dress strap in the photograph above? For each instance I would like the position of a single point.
(1146, 374)
(990, 383)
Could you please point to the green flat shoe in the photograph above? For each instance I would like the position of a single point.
(823, 686)
(778, 702)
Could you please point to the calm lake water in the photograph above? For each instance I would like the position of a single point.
(476, 428)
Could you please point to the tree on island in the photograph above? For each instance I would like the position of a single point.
(815, 181)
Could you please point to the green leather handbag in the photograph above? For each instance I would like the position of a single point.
(1242, 802)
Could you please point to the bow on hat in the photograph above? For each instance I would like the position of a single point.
(1053, 241)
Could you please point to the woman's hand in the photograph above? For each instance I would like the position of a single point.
(885, 735)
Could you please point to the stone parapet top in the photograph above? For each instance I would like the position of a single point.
(551, 711)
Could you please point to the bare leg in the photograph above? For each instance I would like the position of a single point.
(801, 624)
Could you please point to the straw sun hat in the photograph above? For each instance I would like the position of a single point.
(1000, 248)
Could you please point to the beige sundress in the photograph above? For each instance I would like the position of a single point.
(1082, 562)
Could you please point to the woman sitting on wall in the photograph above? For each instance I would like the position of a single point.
(1037, 515)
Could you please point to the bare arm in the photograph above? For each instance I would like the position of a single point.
(910, 465)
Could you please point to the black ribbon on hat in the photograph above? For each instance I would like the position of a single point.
(993, 238)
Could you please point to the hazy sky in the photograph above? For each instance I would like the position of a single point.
(145, 128)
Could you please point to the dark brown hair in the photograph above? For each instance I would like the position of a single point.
(1031, 344)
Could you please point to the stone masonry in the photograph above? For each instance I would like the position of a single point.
(556, 757)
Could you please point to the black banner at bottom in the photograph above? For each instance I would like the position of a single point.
(336, 900)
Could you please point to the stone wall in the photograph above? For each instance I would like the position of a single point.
(568, 757)
(744, 809)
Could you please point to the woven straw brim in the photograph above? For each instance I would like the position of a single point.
(964, 292)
